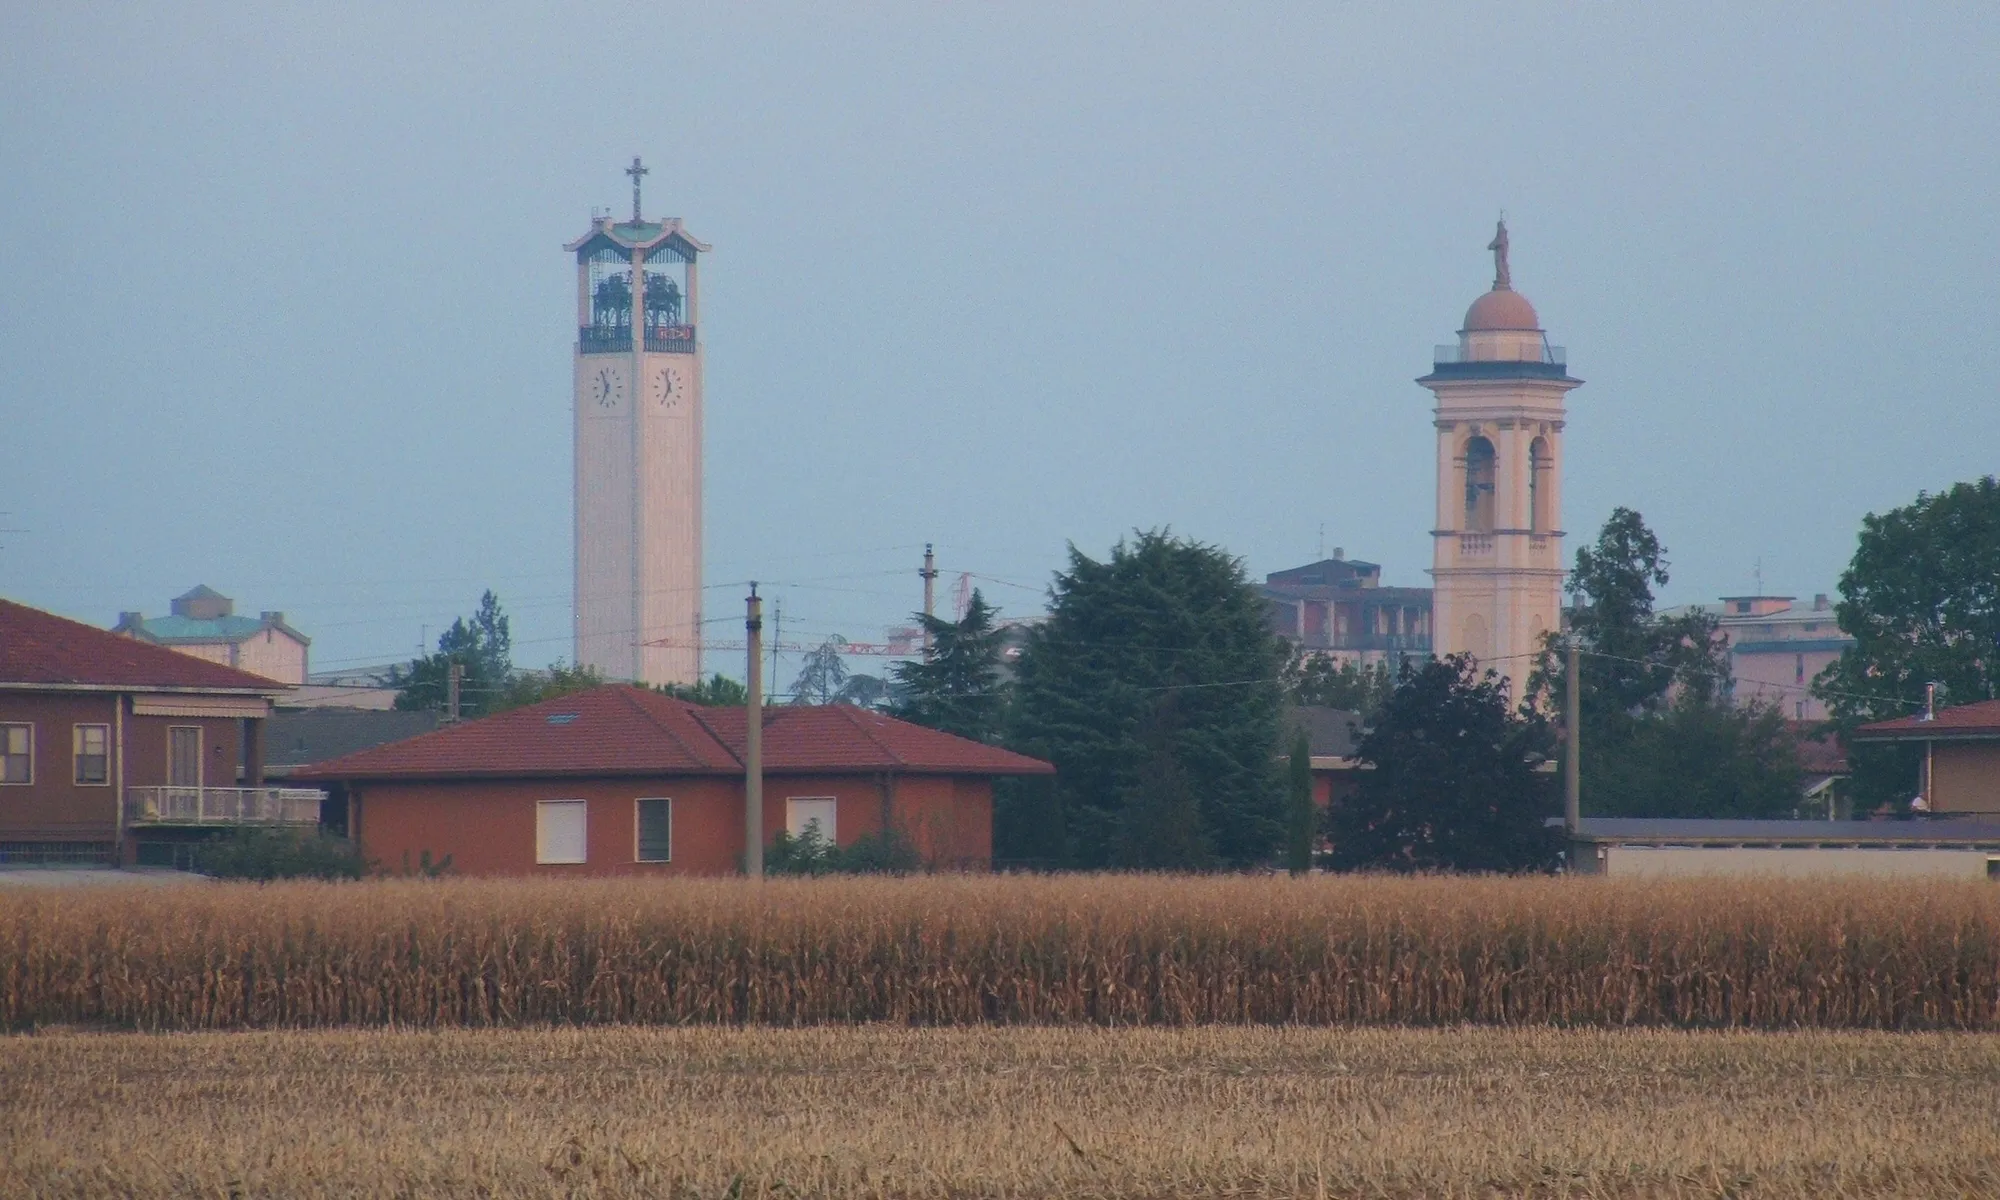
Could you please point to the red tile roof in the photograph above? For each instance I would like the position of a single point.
(40, 648)
(619, 729)
(1962, 721)
(841, 737)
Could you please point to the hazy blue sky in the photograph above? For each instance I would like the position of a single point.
(283, 307)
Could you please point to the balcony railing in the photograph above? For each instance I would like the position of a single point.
(617, 339)
(604, 339)
(670, 339)
(1470, 544)
(1449, 354)
(222, 806)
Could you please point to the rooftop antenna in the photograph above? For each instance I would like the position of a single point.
(1757, 573)
(1322, 542)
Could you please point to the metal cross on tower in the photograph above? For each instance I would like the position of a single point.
(635, 171)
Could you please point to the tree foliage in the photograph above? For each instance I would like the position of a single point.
(533, 687)
(1453, 780)
(823, 673)
(1153, 687)
(1921, 599)
(956, 687)
(483, 645)
(1316, 678)
(1662, 737)
(717, 691)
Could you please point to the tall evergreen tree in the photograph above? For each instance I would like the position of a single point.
(957, 687)
(1455, 783)
(482, 645)
(1159, 653)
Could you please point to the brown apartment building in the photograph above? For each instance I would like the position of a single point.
(116, 751)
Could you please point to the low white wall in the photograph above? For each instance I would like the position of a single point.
(1656, 861)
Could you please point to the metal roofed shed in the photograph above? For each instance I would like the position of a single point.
(1639, 847)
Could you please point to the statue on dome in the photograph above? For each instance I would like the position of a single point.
(1501, 278)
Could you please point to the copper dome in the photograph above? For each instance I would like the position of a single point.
(1501, 308)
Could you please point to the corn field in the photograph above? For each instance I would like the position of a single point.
(942, 951)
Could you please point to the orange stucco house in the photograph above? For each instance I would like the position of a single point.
(620, 780)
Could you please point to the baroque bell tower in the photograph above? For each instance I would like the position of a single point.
(1496, 554)
(638, 415)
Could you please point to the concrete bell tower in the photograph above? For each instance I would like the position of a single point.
(638, 412)
(1497, 555)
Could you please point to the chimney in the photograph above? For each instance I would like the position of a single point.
(130, 620)
(1819, 602)
(1339, 552)
(273, 618)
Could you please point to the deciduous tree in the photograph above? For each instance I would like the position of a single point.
(1453, 779)
(1662, 736)
(1921, 599)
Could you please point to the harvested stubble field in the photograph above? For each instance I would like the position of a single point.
(1107, 950)
(882, 1111)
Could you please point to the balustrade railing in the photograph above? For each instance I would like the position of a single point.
(222, 806)
(604, 339)
(1475, 543)
(670, 339)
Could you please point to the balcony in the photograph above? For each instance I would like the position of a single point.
(617, 339)
(670, 339)
(604, 339)
(222, 806)
(1475, 545)
(1542, 362)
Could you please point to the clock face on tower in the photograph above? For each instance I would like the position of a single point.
(606, 388)
(667, 387)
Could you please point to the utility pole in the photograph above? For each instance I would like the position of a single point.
(930, 575)
(1572, 745)
(753, 741)
(1930, 714)
(451, 687)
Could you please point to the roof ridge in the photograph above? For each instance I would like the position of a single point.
(630, 694)
(854, 720)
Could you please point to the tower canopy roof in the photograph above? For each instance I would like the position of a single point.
(627, 236)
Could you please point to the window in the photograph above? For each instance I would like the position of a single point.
(17, 754)
(1478, 486)
(656, 830)
(93, 754)
(1799, 669)
(810, 812)
(560, 829)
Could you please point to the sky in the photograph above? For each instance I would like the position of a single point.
(284, 310)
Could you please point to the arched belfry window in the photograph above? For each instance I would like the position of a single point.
(1541, 487)
(1478, 485)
